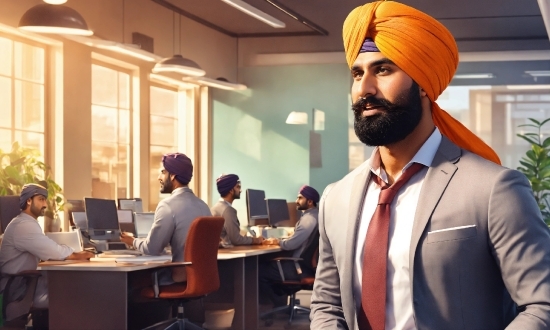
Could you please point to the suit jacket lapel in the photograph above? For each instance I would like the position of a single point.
(357, 199)
(439, 174)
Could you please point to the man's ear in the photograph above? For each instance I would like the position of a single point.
(423, 92)
(172, 177)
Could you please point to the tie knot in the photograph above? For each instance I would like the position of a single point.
(387, 193)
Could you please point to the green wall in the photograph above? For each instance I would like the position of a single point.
(252, 140)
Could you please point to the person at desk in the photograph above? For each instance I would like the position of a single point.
(229, 188)
(173, 215)
(24, 244)
(306, 202)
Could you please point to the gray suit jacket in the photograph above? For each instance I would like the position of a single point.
(461, 278)
(231, 231)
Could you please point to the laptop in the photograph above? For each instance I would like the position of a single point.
(143, 222)
(126, 221)
(79, 218)
(71, 239)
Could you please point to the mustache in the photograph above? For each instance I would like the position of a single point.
(372, 101)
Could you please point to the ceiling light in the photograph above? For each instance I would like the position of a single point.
(46, 18)
(474, 76)
(256, 13)
(179, 64)
(220, 83)
(55, 2)
(539, 73)
(131, 50)
(297, 118)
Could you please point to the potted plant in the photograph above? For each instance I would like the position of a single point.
(21, 166)
(536, 165)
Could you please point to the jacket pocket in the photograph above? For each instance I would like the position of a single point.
(451, 234)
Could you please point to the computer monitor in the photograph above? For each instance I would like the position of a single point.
(102, 218)
(277, 211)
(143, 222)
(133, 204)
(74, 205)
(126, 221)
(80, 221)
(256, 207)
(9, 209)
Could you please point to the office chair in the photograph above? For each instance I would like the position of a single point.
(201, 249)
(9, 209)
(307, 261)
(15, 309)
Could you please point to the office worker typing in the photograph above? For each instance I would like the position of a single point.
(229, 188)
(173, 215)
(24, 244)
(306, 202)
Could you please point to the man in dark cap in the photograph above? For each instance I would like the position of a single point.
(229, 188)
(304, 232)
(24, 244)
(173, 215)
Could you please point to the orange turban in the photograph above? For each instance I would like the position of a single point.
(423, 48)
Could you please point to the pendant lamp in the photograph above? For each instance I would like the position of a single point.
(178, 63)
(46, 18)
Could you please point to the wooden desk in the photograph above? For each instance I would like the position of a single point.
(242, 262)
(94, 295)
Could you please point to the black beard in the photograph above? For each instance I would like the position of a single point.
(236, 195)
(301, 207)
(394, 124)
(167, 186)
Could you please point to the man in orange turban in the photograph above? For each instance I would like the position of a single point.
(430, 232)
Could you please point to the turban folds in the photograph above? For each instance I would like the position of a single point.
(420, 46)
(29, 191)
(226, 182)
(180, 165)
(309, 193)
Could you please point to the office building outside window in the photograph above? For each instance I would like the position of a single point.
(111, 132)
(167, 134)
(22, 94)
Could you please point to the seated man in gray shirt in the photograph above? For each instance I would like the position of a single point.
(24, 244)
(306, 201)
(229, 188)
(173, 215)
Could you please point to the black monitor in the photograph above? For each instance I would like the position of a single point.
(256, 207)
(277, 210)
(102, 218)
(9, 209)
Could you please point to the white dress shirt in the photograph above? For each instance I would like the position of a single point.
(399, 307)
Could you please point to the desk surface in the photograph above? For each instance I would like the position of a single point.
(246, 251)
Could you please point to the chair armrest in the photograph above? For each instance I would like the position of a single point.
(25, 273)
(296, 264)
(287, 258)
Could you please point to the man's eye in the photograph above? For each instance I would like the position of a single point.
(383, 70)
(357, 74)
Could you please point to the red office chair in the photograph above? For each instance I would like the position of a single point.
(201, 249)
(308, 260)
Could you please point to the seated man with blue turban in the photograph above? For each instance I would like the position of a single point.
(24, 244)
(229, 188)
(303, 235)
(173, 215)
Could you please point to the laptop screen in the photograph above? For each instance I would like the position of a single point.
(124, 216)
(143, 222)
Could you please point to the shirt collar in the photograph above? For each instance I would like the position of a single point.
(224, 201)
(424, 155)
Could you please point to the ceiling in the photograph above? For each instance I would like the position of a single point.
(477, 25)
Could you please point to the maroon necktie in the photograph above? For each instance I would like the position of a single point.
(372, 315)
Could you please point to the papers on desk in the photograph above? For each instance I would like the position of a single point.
(133, 259)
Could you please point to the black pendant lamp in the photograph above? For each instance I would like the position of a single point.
(47, 18)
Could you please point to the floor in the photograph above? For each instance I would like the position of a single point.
(280, 322)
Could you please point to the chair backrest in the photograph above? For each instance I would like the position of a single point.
(9, 209)
(310, 255)
(201, 249)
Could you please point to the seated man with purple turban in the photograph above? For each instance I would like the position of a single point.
(173, 215)
(303, 235)
(229, 188)
(24, 244)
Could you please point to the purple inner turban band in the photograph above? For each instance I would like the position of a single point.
(309, 193)
(369, 46)
(30, 190)
(226, 182)
(180, 165)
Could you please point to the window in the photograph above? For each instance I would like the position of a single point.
(167, 119)
(111, 134)
(22, 94)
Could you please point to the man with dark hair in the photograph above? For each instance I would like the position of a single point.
(24, 244)
(304, 231)
(229, 188)
(430, 232)
(173, 215)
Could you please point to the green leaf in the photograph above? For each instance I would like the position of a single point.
(529, 125)
(544, 121)
(535, 121)
(531, 141)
